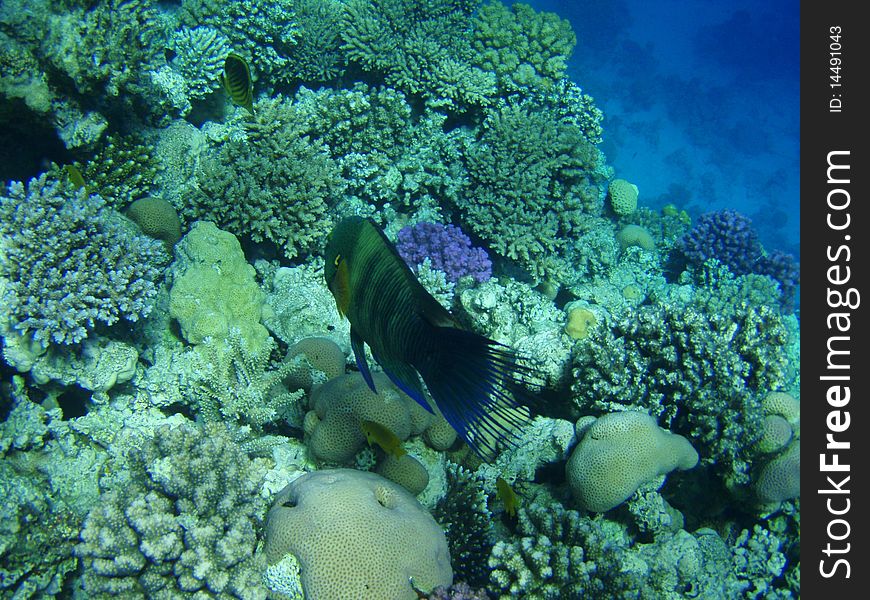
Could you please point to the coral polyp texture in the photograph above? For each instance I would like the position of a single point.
(357, 535)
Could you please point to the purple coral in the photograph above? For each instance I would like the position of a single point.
(458, 591)
(447, 247)
(727, 236)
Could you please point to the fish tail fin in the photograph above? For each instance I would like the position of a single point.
(479, 387)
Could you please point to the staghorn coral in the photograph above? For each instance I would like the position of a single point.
(277, 184)
(317, 54)
(184, 524)
(71, 263)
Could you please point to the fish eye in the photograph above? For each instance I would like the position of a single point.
(337, 260)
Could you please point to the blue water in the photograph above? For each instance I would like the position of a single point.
(701, 102)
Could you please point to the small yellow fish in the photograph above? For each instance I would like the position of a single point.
(75, 177)
(237, 81)
(508, 496)
(383, 437)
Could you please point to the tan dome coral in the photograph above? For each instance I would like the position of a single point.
(357, 535)
(342, 402)
(618, 453)
(623, 197)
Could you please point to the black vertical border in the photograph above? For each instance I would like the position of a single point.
(823, 131)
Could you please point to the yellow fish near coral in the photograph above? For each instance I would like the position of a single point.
(508, 496)
(383, 437)
(473, 381)
(237, 81)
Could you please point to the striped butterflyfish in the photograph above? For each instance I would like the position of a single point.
(237, 81)
(473, 381)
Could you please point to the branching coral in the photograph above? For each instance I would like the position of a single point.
(276, 185)
(702, 371)
(525, 49)
(529, 174)
(184, 524)
(228, 380)
(468, 524)
(71, 263)
(420, 48)
(263, 31)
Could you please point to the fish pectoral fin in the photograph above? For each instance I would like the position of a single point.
(359, 354)
(406, 379)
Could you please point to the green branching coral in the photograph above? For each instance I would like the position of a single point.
(317, 56)
(524, 48)
(386, 155)
(275, 185)
(468, 525)
(422, 48)
(703, 372)
(184, 524)
(110, 52)
(263, 31)
(122, 170)
(532, 177)
(37, 535)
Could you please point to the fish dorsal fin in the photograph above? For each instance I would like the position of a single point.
(436, 315)
(359, 354)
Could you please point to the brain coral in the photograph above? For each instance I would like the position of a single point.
(623, 197)
(619, 452)
(357, 535)
(780, 479)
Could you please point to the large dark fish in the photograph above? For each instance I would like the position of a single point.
(473, 381)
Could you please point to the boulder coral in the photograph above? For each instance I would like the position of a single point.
(618, 453)
(357, 535)
(213, 288)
